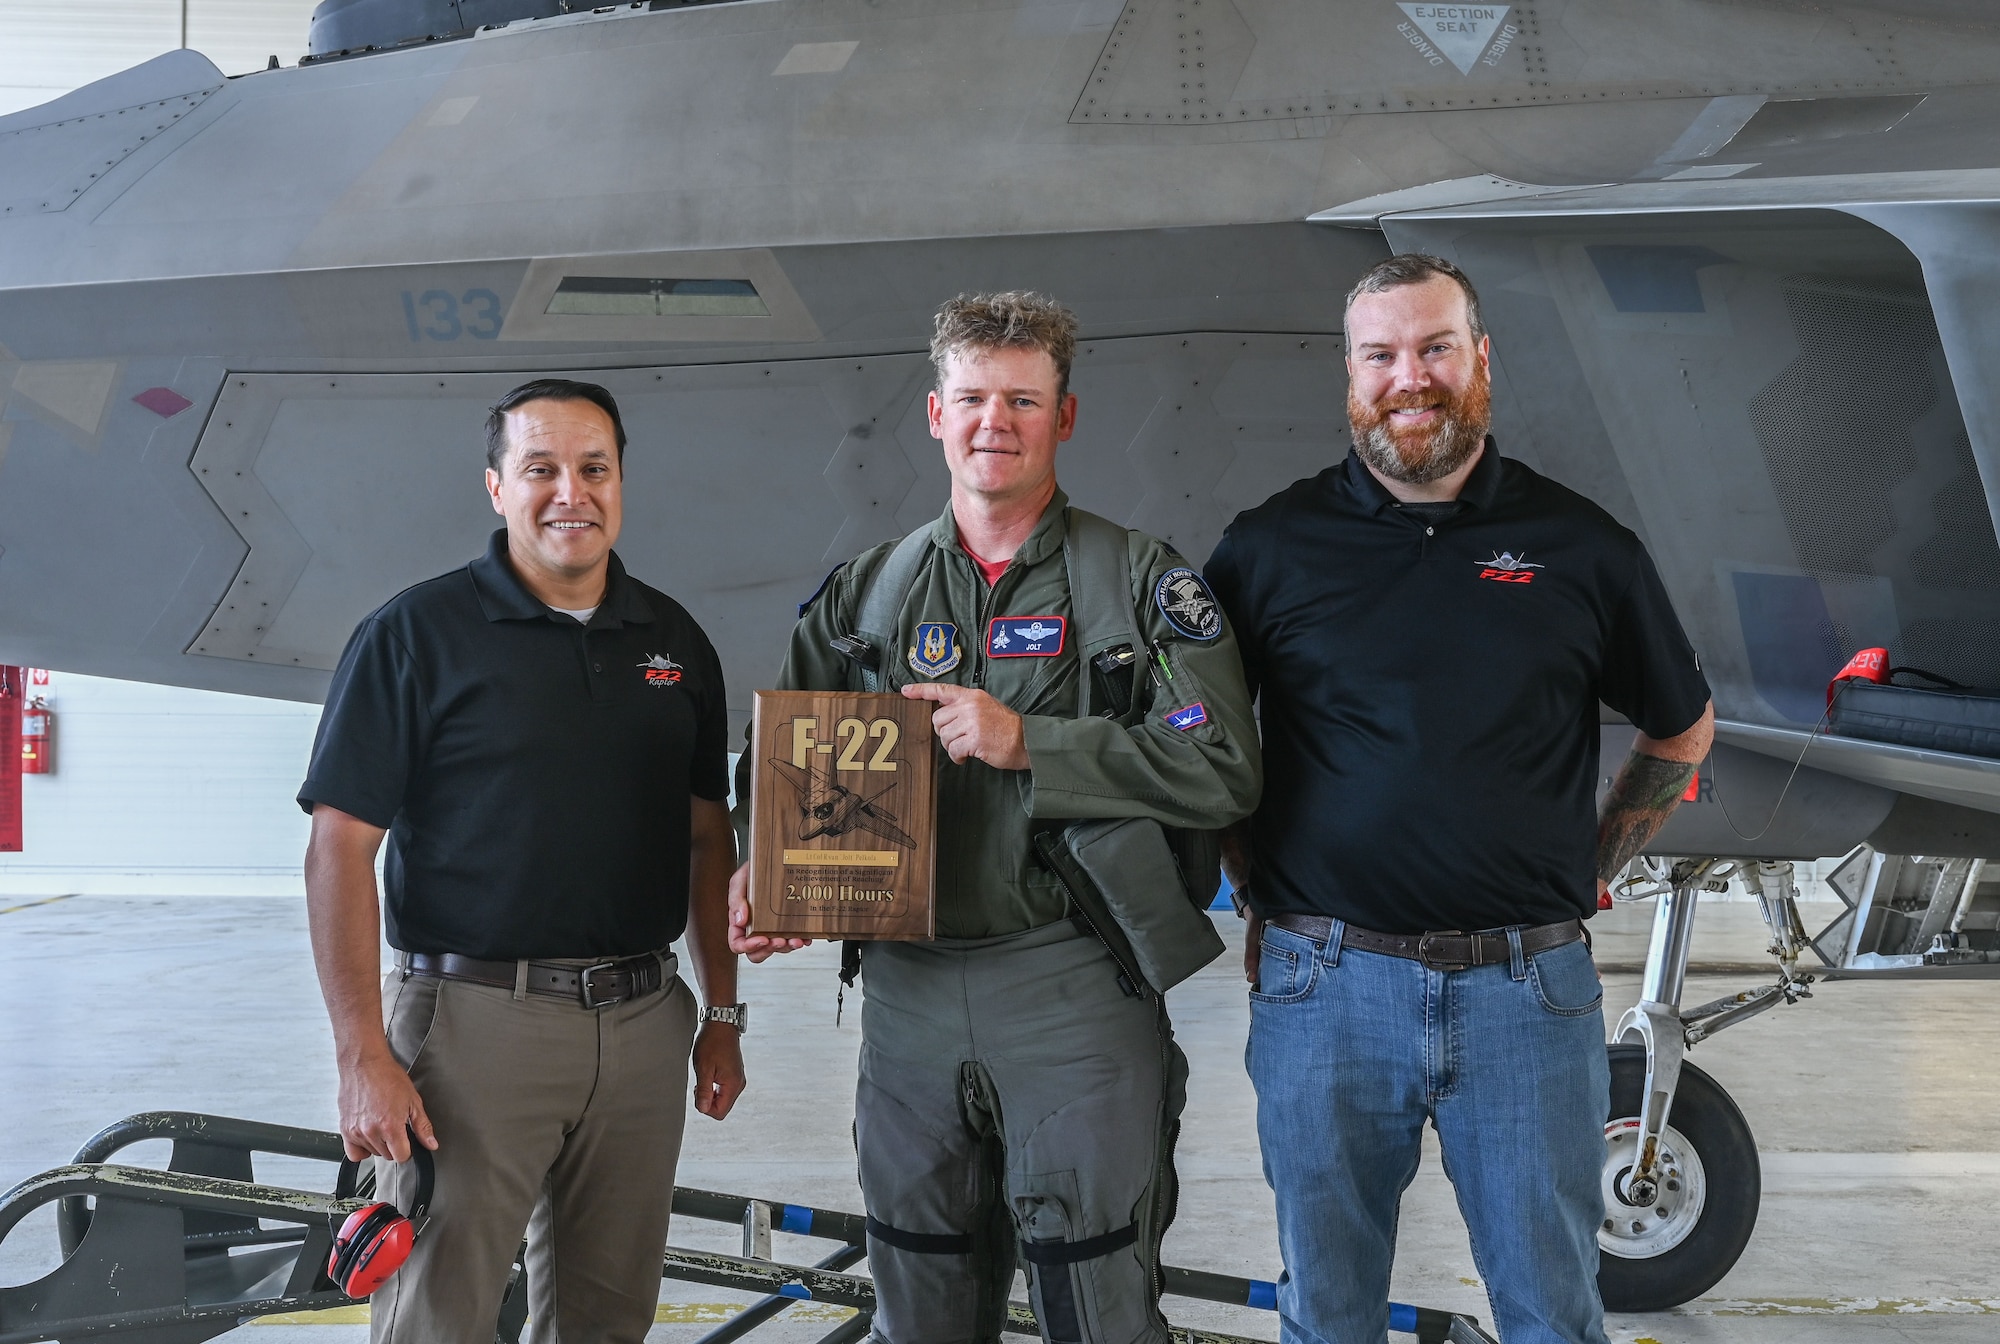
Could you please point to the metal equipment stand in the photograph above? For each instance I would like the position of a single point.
(147, 1253)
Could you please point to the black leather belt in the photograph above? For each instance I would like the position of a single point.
(597, 986)
(1450, 950)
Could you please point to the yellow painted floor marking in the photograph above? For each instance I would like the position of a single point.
(714, 1313)
(1843, 1306)
(29, 905)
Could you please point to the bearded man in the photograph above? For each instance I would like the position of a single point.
(1431, 628)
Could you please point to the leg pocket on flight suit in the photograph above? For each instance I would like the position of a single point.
(1566, 981)
(1043, 1211)
(1102, 1298)
(412, 1017)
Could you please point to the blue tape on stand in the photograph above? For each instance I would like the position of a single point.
(797, 1219)
(1402, 1318)
(1263, 1295)
(804, 1294)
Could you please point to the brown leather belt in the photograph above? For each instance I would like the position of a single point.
(597, 986)
(1450, 950)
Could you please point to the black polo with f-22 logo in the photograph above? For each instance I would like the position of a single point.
(1429, 680)
(533, 772)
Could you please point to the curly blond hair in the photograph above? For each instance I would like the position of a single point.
(1018, 319)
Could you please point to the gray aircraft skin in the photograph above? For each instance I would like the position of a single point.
(1736, 256)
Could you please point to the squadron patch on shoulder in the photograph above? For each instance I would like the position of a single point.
(1187, 603)
(936, 651)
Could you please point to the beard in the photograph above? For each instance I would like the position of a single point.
(1418, 456)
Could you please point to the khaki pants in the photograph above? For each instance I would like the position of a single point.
(552, 1117)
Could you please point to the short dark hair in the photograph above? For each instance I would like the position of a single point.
(1414, 268)
(547, 389)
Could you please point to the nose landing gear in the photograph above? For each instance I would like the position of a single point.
(1671, 1238)
(1681, 1176)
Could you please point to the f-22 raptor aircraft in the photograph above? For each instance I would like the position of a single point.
(1737, 256)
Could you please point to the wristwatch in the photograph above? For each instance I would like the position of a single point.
(736, 1015)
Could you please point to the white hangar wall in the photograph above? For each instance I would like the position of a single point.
(159, 790)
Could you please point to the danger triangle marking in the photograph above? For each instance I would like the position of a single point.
(1459, 32)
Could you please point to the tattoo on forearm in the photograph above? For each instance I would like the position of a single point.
(1641, 799)
(1236, 853)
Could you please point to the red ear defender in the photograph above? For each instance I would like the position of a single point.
(374, 1241)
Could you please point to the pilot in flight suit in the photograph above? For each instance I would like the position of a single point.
(1014, 1098)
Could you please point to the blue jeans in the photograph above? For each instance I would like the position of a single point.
(1351, 1051)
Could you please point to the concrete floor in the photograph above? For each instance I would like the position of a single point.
(1873, 1105)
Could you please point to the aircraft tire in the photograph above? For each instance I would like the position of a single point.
(1678, 1259)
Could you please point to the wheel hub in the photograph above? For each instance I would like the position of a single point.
(1645, 1218)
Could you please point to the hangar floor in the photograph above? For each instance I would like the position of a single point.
(1874, 1106)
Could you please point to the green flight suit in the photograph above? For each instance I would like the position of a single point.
(1010, 1089)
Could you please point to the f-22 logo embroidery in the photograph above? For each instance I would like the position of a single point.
(1506, 567)
(661, 671)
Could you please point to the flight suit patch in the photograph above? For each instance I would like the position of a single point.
(1187, 604)
(1194, 716)
(936, 651)
(1025, 636)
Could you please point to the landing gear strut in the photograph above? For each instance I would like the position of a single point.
(1681, 1176)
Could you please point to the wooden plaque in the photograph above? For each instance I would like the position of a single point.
(843, 816)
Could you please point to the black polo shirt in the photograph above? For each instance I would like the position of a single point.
(533, 773)
(1430, 692)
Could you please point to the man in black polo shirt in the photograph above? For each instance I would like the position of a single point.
(542, 739)
(1431, 628)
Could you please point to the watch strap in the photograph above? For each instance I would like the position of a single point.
(736, 1015)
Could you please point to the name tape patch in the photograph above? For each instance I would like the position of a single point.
(1025, 636)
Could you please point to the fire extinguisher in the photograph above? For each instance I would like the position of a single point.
(36, 721)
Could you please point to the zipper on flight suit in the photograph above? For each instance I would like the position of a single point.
(985, 600)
